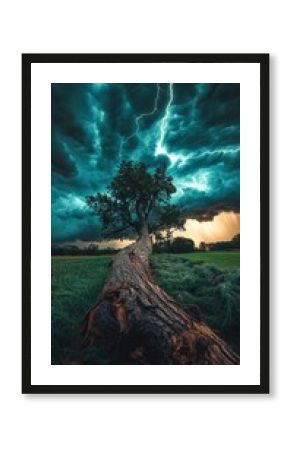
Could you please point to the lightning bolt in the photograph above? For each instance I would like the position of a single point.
(160, 146)
(140, 117)
(163, 125)
(160, 149)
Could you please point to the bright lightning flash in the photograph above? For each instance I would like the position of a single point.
(160, 146)
(142, 116)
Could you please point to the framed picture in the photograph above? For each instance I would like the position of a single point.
(145, 223)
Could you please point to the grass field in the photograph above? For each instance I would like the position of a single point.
(75, 284)
(223, 260)
(208, 279)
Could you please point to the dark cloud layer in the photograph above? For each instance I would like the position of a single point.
(193, 128)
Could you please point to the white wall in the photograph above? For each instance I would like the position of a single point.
(170, 422)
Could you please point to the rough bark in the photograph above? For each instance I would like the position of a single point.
(139, 323)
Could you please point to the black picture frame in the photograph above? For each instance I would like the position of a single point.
(263, 61)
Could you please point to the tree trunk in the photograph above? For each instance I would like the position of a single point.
(140, 324)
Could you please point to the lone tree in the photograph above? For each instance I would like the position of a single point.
(134, 318)
(137, 202)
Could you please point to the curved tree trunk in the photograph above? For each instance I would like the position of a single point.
(140, 324)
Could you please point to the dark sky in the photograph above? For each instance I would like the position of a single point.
(194, 128)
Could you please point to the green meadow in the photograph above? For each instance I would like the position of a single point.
(209, 280)
(223, 259)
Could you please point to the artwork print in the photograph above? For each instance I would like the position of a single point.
(145, 218)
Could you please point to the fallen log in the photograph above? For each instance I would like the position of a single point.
(139, 323)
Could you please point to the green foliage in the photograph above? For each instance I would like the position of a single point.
(136, 197)
(215, 291)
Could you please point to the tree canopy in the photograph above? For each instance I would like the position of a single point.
(137, 198)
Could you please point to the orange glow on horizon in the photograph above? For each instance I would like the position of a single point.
(223, 227)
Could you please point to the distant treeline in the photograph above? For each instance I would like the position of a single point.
(186, 245)
(176, 245)
(234, 244)
(74, 250)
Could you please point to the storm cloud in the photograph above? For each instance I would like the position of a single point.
(193, 128)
